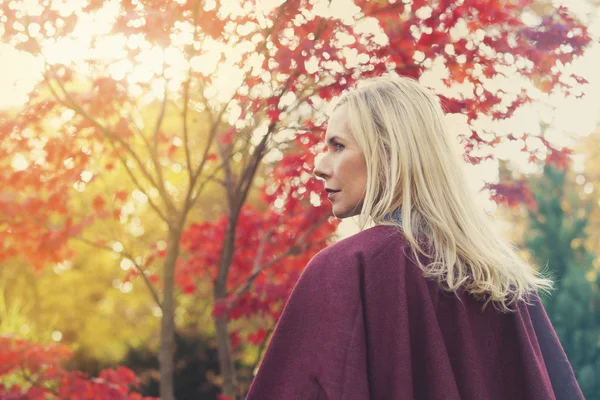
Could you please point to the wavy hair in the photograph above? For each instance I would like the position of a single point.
(411, 167)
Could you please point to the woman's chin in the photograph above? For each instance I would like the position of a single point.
(342, 213)
(339, 212)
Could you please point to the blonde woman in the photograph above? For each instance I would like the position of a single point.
(430, 303)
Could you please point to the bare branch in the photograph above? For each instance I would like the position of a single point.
(70, 103)
(140, 187)
(154, 150)
(196, 174)
(194, 194)
(215, 122)
(186, 101)
(138, 267)
(250, 171)
(292, 250)
(261, 249)
(121, 158)
(155, 161)
(210, 178)
(161, 114)
(263, 345)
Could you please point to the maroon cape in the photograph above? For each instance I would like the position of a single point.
(363, 323)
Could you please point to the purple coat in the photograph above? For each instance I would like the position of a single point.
(363, 323)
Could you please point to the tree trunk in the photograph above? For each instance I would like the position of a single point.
(226, 358)
(226, 362)
(167, 328)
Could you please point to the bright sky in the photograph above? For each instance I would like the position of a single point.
(568, 118)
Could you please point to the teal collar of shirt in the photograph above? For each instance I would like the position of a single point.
(395, 216)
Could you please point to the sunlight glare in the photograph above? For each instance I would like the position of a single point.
(79, 186)
(126, 264)
(139, 197)
(108, 48)
(153, 192)
(18, 76)
(119, 70)
(207, 61)
(19, 162)
(157, 89)
(126, 287)
(86, 176)
(176, 168)
(588, 188)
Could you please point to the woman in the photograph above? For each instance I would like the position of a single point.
(431, 302)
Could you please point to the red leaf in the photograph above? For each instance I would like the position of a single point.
(99, 203)
(120, 195)
(189, 289)
(235, 338)
(258, 337)
(211, 157)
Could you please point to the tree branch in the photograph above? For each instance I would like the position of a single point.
(261, 249)
(263, 345)
(250, 171)
(138, 267)
(214, 127)
(154, 150)
(113, 138)
(240, 291)
(210, 178)
(155, 161)
(161, 114)
(186, 101)
(139, 186)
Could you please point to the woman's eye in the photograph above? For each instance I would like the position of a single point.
(338, 146)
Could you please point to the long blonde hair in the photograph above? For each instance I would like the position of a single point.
(400, 128)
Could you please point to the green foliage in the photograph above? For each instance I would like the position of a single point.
(556, 237)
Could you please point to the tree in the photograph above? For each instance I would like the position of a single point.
(39, 368)
(589, 180)
(556, 238)
(249, 83)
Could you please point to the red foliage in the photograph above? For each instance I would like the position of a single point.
(34, 196)
(298, 34)
(290, 226)
(41, 367)
(511, 193)
(257, 337)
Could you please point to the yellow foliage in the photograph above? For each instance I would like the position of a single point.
(591, 275)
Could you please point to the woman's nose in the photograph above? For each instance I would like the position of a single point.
(319, 171)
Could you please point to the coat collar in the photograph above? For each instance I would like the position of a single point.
(395, 216)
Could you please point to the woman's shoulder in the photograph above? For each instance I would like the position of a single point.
(370, 242)
(363, 247)
(337, 273)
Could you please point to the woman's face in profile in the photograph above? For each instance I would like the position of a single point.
(343, 167)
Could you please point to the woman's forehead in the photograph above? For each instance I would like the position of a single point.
(338, 125)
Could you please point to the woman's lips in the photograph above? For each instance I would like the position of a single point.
(331, 194)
